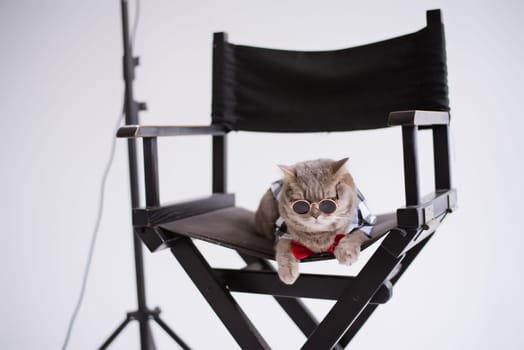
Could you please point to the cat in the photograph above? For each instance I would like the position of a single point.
(331, 201)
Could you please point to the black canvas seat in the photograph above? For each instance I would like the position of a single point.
(400, 82)
(234, 228)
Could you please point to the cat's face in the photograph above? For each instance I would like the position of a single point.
(314, 181)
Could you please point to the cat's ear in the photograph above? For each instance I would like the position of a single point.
(338, 165)
(288, 170)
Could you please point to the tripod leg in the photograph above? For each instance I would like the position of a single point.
(116, 333)
(170, 332)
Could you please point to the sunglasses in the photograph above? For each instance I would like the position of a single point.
(302, 206)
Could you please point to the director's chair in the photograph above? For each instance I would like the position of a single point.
(396, 82)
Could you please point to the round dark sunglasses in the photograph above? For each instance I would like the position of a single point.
(302, 206)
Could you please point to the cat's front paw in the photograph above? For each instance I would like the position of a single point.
(288, 270)
(286, 261)
(347, 250)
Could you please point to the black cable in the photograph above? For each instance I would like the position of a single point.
(101, 201)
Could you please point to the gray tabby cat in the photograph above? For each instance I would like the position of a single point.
(320, 182)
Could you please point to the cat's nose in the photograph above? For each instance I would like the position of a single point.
(315, 211)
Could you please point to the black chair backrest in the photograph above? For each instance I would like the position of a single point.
(260, 89)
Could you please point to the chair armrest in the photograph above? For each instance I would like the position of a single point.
(149, 217)
(417, 222)
(137, 131)
(431, 207)
(411, 122)
(154, 213)
(418, 118)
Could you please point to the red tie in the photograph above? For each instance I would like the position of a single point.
(301, 252)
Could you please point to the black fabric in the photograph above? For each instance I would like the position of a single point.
(261, 89)
(234, 228)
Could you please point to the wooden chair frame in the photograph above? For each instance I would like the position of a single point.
(356, 297)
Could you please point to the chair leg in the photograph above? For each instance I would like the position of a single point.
(409, 257)
(338, 327)
(353, 301)
(217, 296)
(296, 310)
(370, 308)
(357, 324)
(294, 307)
(299, 313)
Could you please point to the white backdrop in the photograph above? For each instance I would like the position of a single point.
(61, 93)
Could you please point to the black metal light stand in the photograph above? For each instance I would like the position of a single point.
(131, 107)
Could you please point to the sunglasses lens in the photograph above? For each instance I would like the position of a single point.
(301, 207)
(327, 206)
